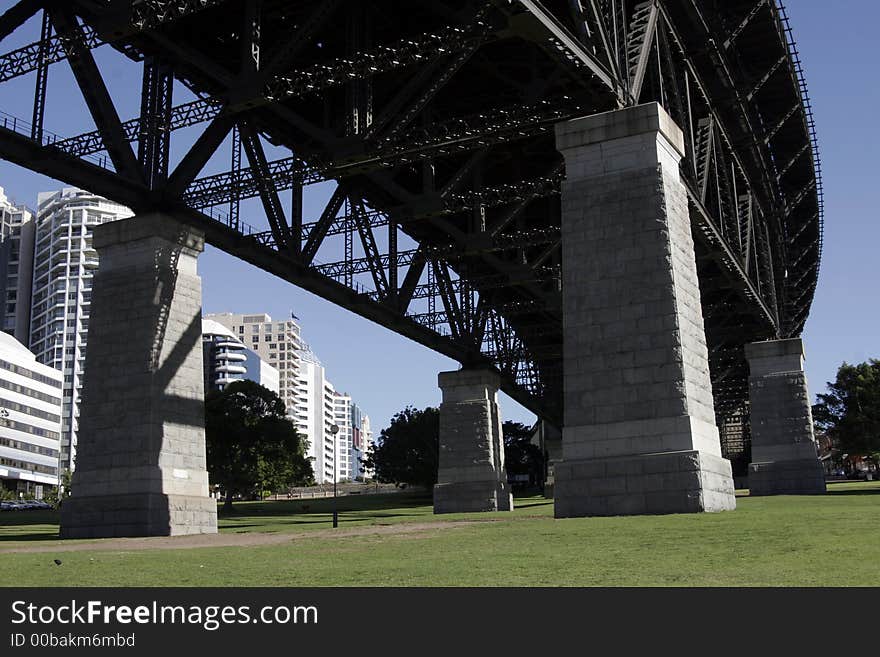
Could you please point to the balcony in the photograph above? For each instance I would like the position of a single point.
(231, 356)
(231, 369)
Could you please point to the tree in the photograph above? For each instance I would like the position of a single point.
(251, 444)
(521, 457)
(849, 414)
(57, 494)
(407, 452)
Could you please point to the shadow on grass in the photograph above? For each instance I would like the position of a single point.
(48, 536)
(22, 518)
(29, 520)
(305, 520)
(530, 504)
(311, 521)
(348, 503)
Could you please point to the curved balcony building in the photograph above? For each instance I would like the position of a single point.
(227, 359)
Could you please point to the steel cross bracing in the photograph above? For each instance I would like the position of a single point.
(435, 119)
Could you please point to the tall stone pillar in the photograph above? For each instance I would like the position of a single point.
(784, 455)
(471, 474)
(140, 467)
(639, 431)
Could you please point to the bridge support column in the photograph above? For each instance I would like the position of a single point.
(140, 468)
(639, 432)
(785, 460)
(471, 474)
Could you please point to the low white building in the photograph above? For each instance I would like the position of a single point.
(30, 420)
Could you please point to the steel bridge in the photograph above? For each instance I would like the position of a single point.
(435, 121)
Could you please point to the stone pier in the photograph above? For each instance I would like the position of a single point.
(471, 474)
(639, 432)
(784, 455)
(140, 467)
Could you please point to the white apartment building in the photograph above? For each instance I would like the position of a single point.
(30, 420)
(327, 407)
(316, 414)
(227, 360)
(366, 443)
(311, 399)
(16, 267)
(64, 262)
(361, 439)
(344, 448)
(278, 344)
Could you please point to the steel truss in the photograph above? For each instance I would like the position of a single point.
(438, 131)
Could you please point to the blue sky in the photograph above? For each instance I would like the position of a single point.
(385, 372)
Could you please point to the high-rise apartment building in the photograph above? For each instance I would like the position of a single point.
(367, 441)
(226, 360)
(30, 420)
(361, 439)
(325, 407)
(315, 414)
(342, 418)
(64, 262)
(16, 267)
(277, 343)
(311, 400)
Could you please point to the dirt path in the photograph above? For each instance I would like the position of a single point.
(237, 540)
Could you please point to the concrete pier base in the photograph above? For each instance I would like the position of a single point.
(639, 430)
(140, 468)
(471, 474)
(642, 484)
(784, 455)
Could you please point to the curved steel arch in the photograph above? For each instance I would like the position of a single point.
(438, 132)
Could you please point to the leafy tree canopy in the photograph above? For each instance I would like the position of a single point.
(407, 451)
(521, 457)
(251, 444)
(849, 413)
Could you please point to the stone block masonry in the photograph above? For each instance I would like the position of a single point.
(784, 455)
(140, 467)
(471, 474)
(639, 430)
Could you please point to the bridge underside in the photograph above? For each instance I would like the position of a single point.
(435, 121)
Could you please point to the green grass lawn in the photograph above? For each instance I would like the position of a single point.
(830, 540)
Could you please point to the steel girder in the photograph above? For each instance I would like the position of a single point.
(438, 132)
